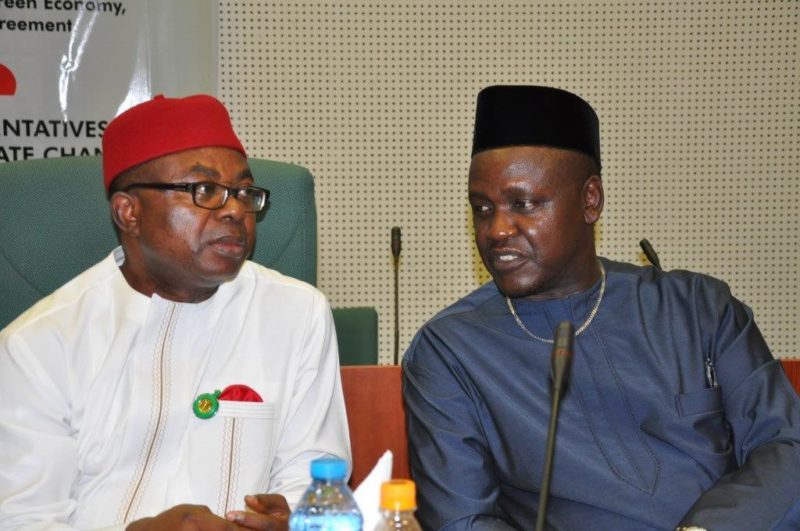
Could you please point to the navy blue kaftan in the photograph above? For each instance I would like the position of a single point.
(642, 438)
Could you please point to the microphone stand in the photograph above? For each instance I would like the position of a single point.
(396, 244)
(560, 361)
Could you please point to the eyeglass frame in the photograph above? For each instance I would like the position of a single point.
(230, 191)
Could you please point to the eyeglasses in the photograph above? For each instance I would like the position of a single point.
(213, 196)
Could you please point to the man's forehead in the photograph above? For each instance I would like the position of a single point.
(512, 158)
(522, 167)
(212, 162)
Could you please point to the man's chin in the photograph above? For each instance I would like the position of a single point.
(516, 287)
(512, 289)
(227, 271)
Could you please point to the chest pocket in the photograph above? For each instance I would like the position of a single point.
(702, 412)
(236, 446)
(697, 427)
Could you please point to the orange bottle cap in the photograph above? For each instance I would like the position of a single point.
(399, 495)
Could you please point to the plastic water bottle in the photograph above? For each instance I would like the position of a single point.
(398, 503)
(328, 503)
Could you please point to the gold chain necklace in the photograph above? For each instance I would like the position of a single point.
(585, 324)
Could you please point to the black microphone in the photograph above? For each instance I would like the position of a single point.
(396, 241)
(560, 363)
(650, 253)
(396, 244)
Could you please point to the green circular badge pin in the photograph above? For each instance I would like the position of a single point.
(206, 405)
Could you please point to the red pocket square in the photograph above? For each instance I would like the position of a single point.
(240, 393)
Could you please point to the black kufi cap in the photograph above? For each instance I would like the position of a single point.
(535, 116)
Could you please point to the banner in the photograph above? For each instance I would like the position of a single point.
(67, 67)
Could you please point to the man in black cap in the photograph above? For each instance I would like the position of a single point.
(676, 412)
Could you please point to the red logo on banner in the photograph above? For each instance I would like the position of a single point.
(8, 83)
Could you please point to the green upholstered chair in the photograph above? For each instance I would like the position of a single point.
(54, 223)
(357, 332)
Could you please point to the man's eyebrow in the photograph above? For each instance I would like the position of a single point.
(519, 188)
(203, 170)
(245, 174)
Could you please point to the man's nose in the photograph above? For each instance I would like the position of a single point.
(233, 207)
(502, 226)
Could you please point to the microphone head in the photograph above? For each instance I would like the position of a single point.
(396, 242)
(565, 337)
(561, 358)
(650, 253)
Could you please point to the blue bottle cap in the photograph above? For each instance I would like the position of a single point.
(329, 468)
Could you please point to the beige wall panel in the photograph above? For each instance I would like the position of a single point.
(698, 106)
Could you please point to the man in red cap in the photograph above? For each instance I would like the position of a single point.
(174, 372)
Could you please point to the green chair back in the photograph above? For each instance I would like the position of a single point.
(357, 335)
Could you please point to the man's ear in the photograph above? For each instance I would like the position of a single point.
(592, 199)
(125, 209)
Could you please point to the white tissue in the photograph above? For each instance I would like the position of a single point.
(368, 493)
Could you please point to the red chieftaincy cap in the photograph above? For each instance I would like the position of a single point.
(163, 126)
